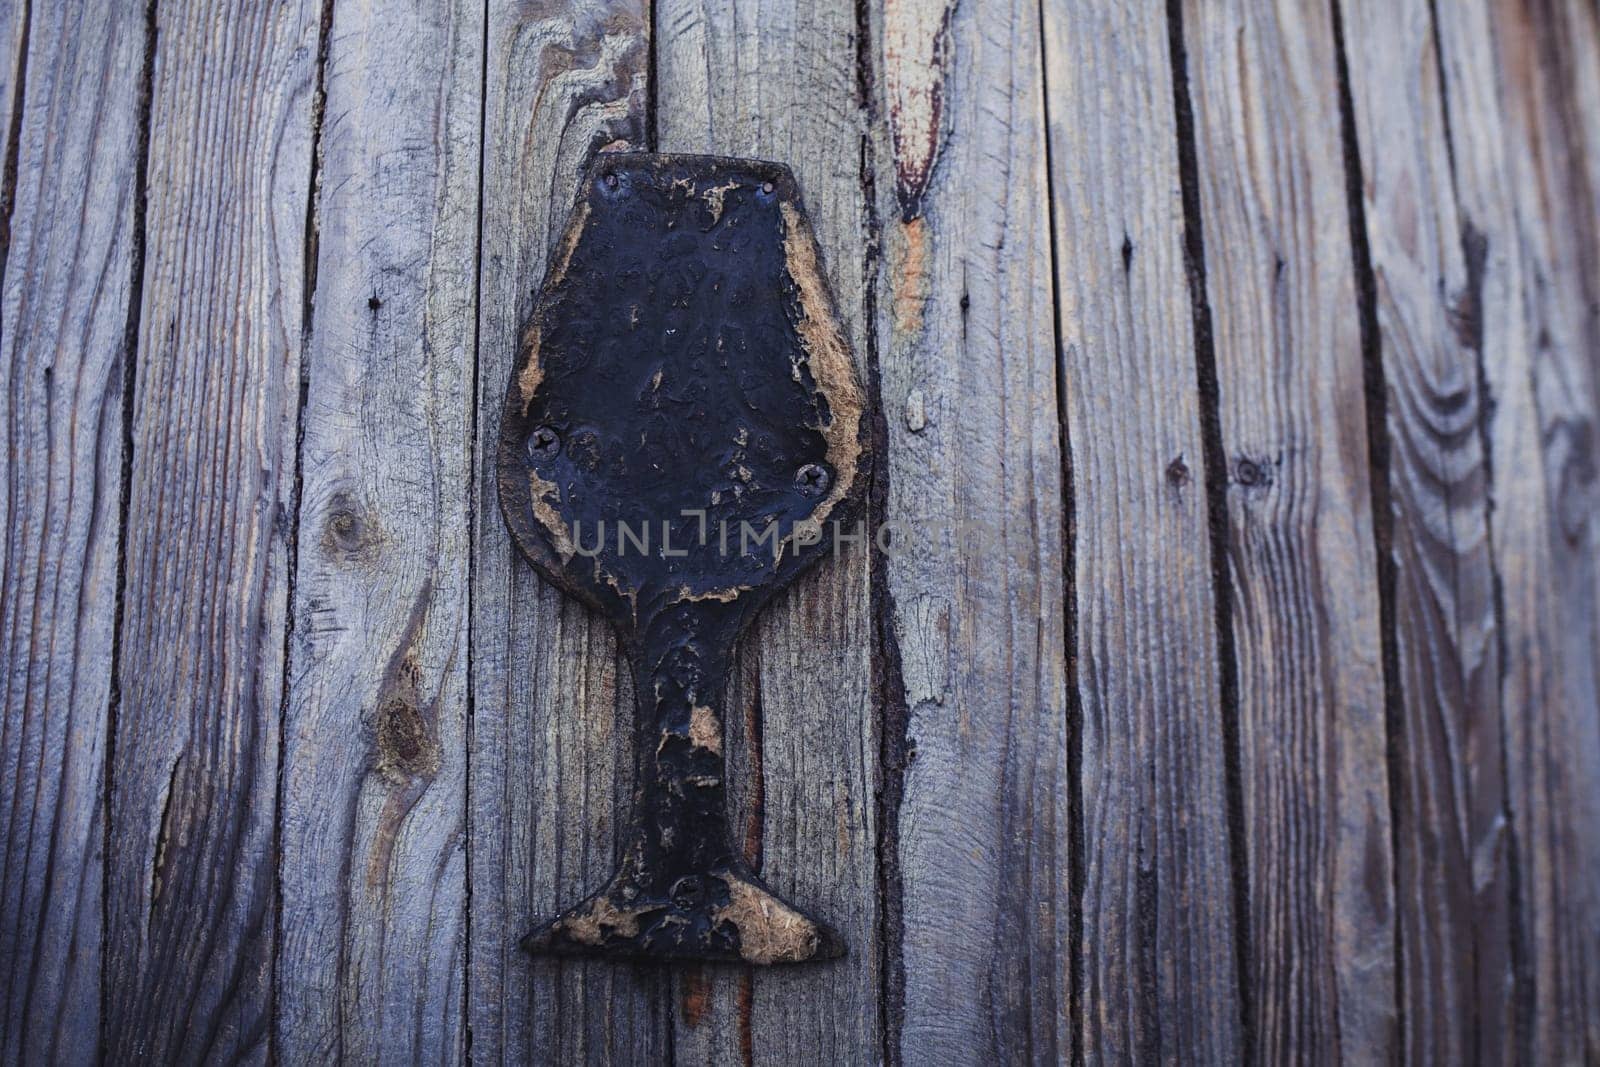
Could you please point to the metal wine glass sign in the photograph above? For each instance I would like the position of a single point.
(681, 430)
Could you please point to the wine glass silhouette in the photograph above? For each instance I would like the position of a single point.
(682, 433)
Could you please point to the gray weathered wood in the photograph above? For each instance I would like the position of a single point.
(1519, 159)
(190, 916)
(13, 65)
(63, 322)
(969, 395)
(295, 748)
(373, 856)
(1281, 283)
(550, 743)
(778, 81)
(1159, 966)
(1454, 881)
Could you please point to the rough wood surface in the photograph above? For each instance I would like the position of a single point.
(1159, 962)
(1522, 184)
(190, 927)
(373, 822)
(778, 81)
(1281, 283)
(1232, 691)
(550, 751)
(1455, 878)
(981, 954)
(69, 270)
(14, 20)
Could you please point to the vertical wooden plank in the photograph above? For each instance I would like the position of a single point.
(1522, 159)
(190, 924)
(1577, 41)
(1290, 379)
(373, 840)
(1159, 957)
(777, 80)
(14, 19)
(1455, 890)
(1578, 28)
(63, 326)
(974, 472)
(550, 747)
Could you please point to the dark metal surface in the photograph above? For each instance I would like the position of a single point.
(685, 404)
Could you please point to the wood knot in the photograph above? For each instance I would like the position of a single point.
(406, 747)
(1178, 474)
(348, 532)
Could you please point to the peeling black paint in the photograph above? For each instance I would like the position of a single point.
(684, 355)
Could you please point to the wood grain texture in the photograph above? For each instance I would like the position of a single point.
(63, 322)
(974, 468)
(1524, 160)
(295, 747)
(373, 824)
(14, 19)
(1455, 889)
(777, 80)
(1281, 283)
(190, 925)
(550, 748)
(1159, 967)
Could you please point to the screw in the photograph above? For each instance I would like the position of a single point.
(766, 187)
(611, 181)
(544, 442)
(1249, 473)
(812, 479)
(688, 892)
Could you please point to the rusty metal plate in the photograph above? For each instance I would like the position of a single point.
(683, 434)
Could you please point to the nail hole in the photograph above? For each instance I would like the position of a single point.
(1251, 474)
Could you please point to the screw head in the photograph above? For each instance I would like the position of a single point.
(687, 892)
(610, 180)
(1249, 473)
(766, 187)
(812, 479)
(543, 442)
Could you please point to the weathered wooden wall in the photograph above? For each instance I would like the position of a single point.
(1233, 693)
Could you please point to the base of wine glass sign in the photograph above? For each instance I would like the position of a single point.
(683, 434)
